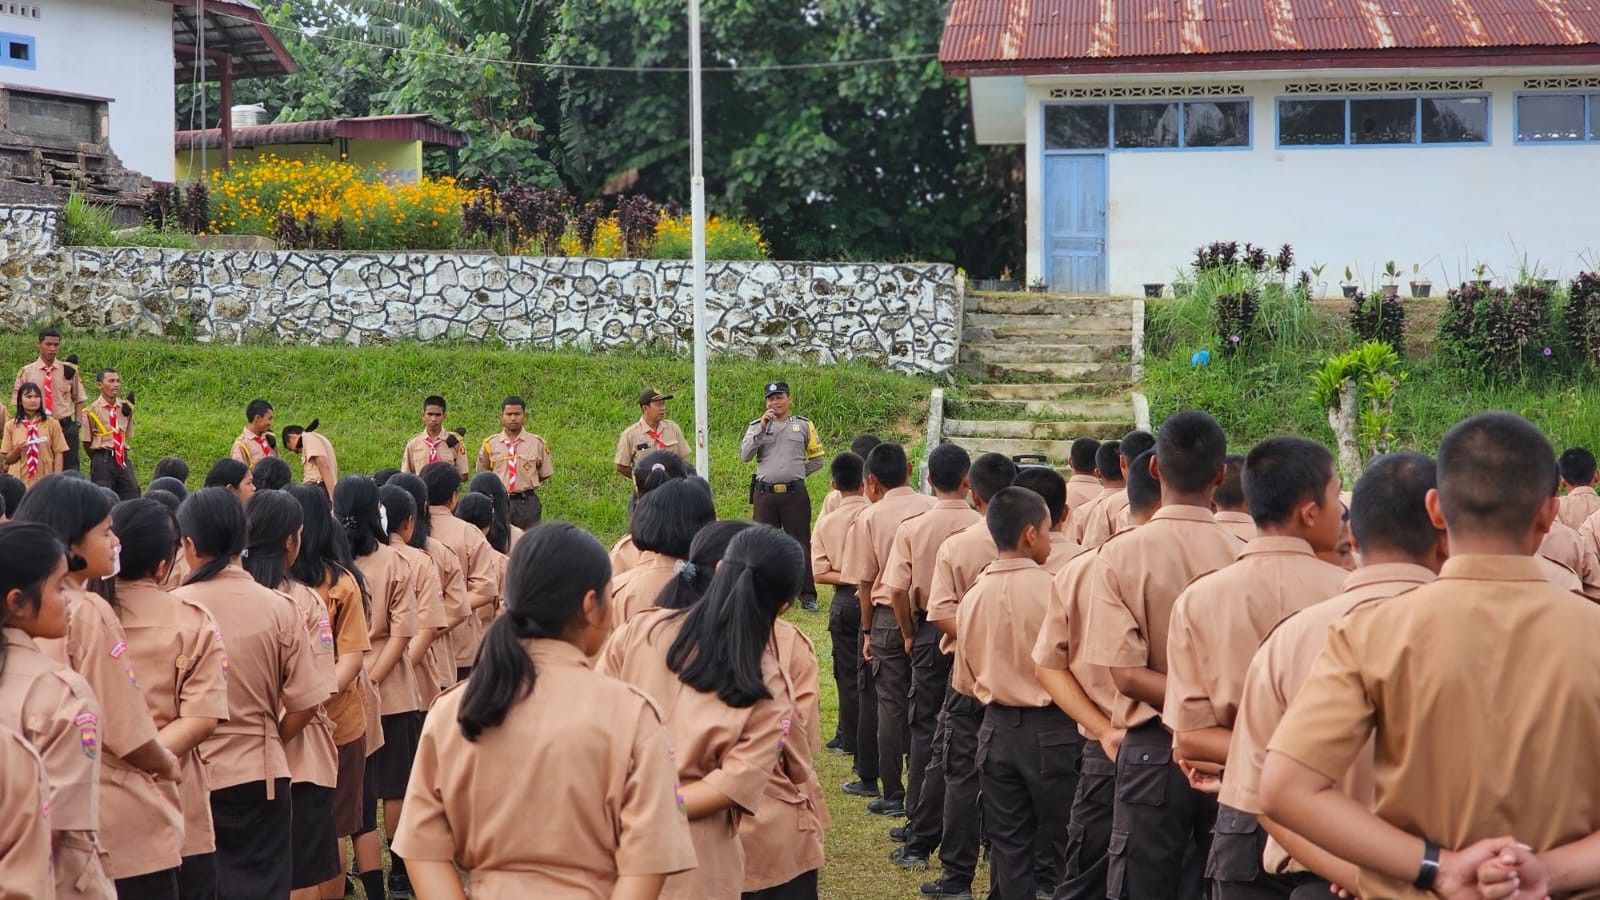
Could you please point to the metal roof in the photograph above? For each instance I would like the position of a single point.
(233, 28)
(414, 127)
(1037, 36)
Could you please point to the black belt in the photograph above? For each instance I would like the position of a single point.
(782, 487)
(523, 493)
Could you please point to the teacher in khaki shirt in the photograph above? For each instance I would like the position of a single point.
(653, 431)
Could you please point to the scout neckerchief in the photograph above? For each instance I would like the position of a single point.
(49, 394)
(511, 464)
(654, 435)
(266, 448)
(433, 446)
(32, 468)
(119, 447)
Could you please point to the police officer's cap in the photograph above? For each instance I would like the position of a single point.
(777, 387)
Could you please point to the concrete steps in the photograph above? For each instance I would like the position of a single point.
(1036, 391)
(1002, 429)
(1023, 304)
(1056, 409)
(1044, 372)
(1095, 346)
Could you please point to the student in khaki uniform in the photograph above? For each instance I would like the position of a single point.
(1220, 618)
(1156, 850)
(50, 705)
(884, 647)
(861, 446)
(176, 652)
(1084, 485)
(665, 523)
(440, 662)
(401, 521)
(1111, 514)
(520, 459)
(63, 392)
(319, 463)
(273, 693)
(1108, 463)
(110, 430)
(726, 705)
(1086, 693)
(654, 469)
(961, 558)
(654, 431)
(512, 732)
(1027, 748)
(1568, 548)
(908, 575)
(844, 611)
(271, 474)
(1489, 634)
(434, 444)
(1052, 488)
(1231, 509)
(33, 445)
(472, 551)
(255, 442)
(25, 830)
(234, 475)
(1578, 477)
(1400, 549)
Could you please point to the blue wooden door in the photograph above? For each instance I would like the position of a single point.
(1075, 222)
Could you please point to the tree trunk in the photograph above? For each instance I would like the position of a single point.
(1342, 419)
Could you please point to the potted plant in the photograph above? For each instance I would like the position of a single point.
(1152, 289)
(1349, 285)
(1036, 286)
(1318, 286)
(1391, 280)
(1420, 285)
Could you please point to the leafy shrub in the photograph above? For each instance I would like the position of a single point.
(1234, 294)
(1378, 317)
(1583, 317)
(1497, 331)
(1236, 315)
(725, 239)
(636, 222)
(87, 224)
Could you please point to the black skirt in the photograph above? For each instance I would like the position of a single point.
(316, 843)
(253, 840)
(391, 765)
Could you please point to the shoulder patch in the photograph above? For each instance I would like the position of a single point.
(88, 733)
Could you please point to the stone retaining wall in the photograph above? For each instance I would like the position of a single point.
(903, 316)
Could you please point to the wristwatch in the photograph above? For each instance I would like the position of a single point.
(1429, 873)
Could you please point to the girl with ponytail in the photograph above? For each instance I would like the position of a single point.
(654, 469)
(694, 575)
(724, 698)
(608, 823)
(400, 510)
(665, 523)
(502, 534)
(274, 692)
(439, 665)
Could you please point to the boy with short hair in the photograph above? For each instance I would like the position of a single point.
(434, 444)
(171, 467)
(1577, 466)
(1052, 488)
(1028, 747)
(1480, 691)
(1232, 510)
(861, 446)
(844, 612)
(1220, 618)
(1107, 460)
(1084, 485)
(1109, 516)
(521, 460)
(319, 464)
(255, 443)
(110, 431)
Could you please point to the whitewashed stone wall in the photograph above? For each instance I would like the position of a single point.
(905, 317)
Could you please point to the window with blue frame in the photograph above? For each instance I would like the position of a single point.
(1558, 118)
(17, 50)
(1162, 125)
(1377, 121)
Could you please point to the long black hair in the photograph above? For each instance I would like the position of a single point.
(718, 650)
(226, 472)
(324, 549)
(414, 486)
(552, 569)
(213, 521)
(490, 485)
(695, 573)
(25, 388)
(666, 520)
(398, 506)
(271, 518)
(476, 510)
(72, 507)
(657, 468)
(144, 528)
(355, 505)
(29, 553)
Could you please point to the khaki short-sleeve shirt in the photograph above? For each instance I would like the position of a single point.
(1239, 524)
(624, 555)
(1577, 506)
(318, 463)
(349, 614)
(1061, 636)
(533, 460)
(65, 393)
(313, 756)
(25, 828)
(998, 623)
(916, 545)
(960, 560)
(829, 534)
(106, 421)
(1078, 517)
(478, 571)
(639, 439)
(96, 647)
(1062, 551)
(52, 442)
(1567, 547)
(1080, 490)
(447, 447)
(1106, 519)
(867, 547)
(56, 711)
(251, 448)
(394, 617)
(636, 590)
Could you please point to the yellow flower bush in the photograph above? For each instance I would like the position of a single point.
(725, 239)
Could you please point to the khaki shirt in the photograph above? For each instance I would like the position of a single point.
(178, 656)
(830, 502)
(54, 442)
(56, 711)
(457, 608)
(65, 394)
(1061, 636)
(1080, 490)
(534, 464)
(313, 756)
(96, 647)
(1138, 576)
(250, 448)
(602, 768)
(1078, 516)
(636, 590)
(1567, 547)
(394, 617)
(916, 548)
(25, 828)
(1219, 620)
(732, 750)
(1577, 506)
(637, 440)
(829, 534)
(318, 463)
(105, 421)
(998, 623)
(478, 571)
(624, 555)
(1492, 651)
(1106, 519)
(1276, 673)
(789, 453)
(428, 588)
(347, 708)
(867, 547)
(960, 560)
(1239, 524)
(448, 446)
(270, 669)
(1062, 551)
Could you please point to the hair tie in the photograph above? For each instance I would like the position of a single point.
(658, 467)
(349, 522)
(687, 569)
(245, 553)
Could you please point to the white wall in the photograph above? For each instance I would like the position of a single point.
(1447, 208)
(120, 49)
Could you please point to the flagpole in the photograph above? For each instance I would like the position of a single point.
(697, 209)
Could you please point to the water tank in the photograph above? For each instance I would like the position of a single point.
(251, 114)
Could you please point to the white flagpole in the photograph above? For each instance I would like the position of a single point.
(697, 209)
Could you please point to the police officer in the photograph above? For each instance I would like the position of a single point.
(786, 449)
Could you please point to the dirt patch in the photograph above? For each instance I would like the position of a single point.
(1422, 320)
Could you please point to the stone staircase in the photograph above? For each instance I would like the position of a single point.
(1040, 370)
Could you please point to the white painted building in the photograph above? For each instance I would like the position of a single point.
(1446, 134)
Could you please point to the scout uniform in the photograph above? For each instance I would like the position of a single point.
(1454, 659)
(1137, 577)
(615, 811)
(522, 462)
(1078, 517)
(639, 438)
(347, 709)
(41, 441)
(478, 573)
(61, 384)
(457, 610)
(866, 556)
(733, 748)
(177, 655)
(1081, 489)
(1578, 505)
(25, 828)
(910, 569)
(1107, 518)
(830, 502)
(318, 463)
(428, 588)
(1238, 524)
(425, 448)
(1276, 674)
(624, 555)
(1027, 748)
(251, 448)
(786, 453)
(1217, 624)
(844, 618)
(313, 757)
(394, 618)
(110, 430)
(636, 590)
(1063, 550)
(1567, 547)
(56, 711)
(1060, 646)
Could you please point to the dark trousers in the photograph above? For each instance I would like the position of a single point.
(892, 675)
(526, 510)
(197, 877)
(1234, 866)
(1160, 827)
(927, 817)
(162, 885)
(70, 429)
(844, 627)
(930, 680)
(1028, 769)
(104, 471)
(790, 511)
(867, 718)
(800, 887)
(1089, 832)
(963, 820)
